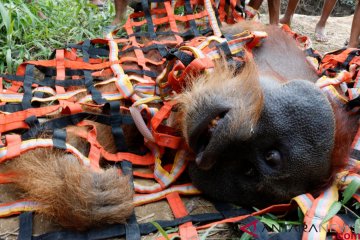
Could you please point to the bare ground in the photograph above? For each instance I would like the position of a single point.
(337, 28)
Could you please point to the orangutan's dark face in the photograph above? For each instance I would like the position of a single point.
(259, 144)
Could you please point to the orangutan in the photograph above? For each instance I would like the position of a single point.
(261, 135)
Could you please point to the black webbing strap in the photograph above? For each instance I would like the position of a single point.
(12, 77)
(158, 33)
(224, 48)
(228, 211)
(353, 103)
(150, 24)
(188, 11)
(341, 65)
(256, 228)
(89, 84)
(118, 230)
(188, 35)
(25, 226)
(11, 107)
(74, 119)
(293, 234)
(59, 139)
(311, 53)
(94, 52)
(160, 47)
(350, 57)
(355, 154)
(132, 229)
(184, 57)
(241, 8)
(51, 72)
(142, 72)
(116, 120)
(28, 81)
(48, 81)
(349, 218)
(34, 128)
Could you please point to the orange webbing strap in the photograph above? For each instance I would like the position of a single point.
(338, 225)
(145, 160)
(172, 21)
(96, 150)
(333, 59)
(357, 197)
(16, 120)
(140, 58)
(235, 16)
(143, 175)
(228, 13)
(186, 230)
(303, 41)
(197, 66)
(90, 135)
(60, 69)
(221, 10)
(13, 143)
(6, 177)
(67, 64)
(340, 77)
(164, 139)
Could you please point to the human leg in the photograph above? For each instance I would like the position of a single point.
(320, 34)
(355, 28)
(290, 10)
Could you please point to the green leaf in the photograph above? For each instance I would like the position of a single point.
(161, 230)
(206, 234)
(5, 15)
(273, 225)
(334, 209)
(300, 215)
(9, 60)
(245, 236)
(357, 228)
(350, 190)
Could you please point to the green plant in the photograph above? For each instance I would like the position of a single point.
(34, 30)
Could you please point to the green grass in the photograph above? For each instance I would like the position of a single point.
(25, 35)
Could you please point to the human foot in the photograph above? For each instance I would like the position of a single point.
(285, 20)
(320, 35)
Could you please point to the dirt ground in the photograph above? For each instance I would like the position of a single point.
(338, 30)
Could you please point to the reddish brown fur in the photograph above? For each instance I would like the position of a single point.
(224, 81)
(70, 193)
(344, 136)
